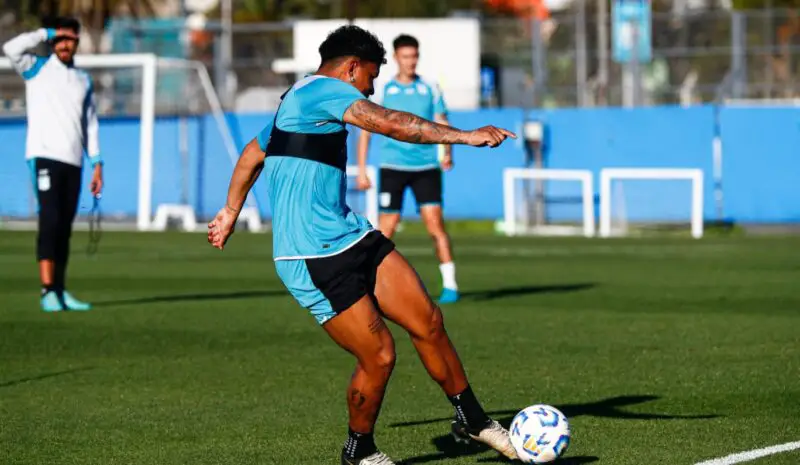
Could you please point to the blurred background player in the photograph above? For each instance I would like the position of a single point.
(62, 124)
(404, 165)
(330, 259)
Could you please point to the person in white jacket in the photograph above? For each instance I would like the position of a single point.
(62, 125)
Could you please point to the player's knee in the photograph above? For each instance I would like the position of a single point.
(436, 326)
(438, 234)
(433, 329)
(383, 360)
(388, 226)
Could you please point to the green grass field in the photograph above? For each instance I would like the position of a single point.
(660, 351)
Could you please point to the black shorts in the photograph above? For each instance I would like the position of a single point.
(426, 186)
(58, 188)
(330, 285)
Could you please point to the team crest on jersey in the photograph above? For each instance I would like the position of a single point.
(393, 90)
(43, 180)
(422, 89)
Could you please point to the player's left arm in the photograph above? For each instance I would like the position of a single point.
(245, 174)
(440, 116)
(93, 141)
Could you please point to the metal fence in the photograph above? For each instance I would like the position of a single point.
(698, 56)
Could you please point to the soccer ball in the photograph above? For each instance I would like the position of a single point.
(540, 434)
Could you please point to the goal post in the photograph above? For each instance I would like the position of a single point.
(512, 226)
(608, 175)
(147, 67)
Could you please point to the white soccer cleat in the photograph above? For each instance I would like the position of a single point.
(493, 435)
(378, 458)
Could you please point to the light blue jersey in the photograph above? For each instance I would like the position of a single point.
(307, 186)
(419, 98)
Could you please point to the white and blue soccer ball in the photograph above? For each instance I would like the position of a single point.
(540, 434)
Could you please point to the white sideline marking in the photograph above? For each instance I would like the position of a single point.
(752, 454)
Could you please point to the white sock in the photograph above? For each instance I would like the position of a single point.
(449, 275)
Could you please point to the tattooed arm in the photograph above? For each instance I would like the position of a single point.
(411, 128)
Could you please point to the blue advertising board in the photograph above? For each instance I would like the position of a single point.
(629, 16)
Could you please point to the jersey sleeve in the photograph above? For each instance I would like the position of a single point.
(334, 97)
(92, 138)
(17, 51)
(263, 137)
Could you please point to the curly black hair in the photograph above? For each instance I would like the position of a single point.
(62, 22)
(352, 41)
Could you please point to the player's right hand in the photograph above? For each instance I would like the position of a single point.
(363, 182)
(488, 136)
(221, 228)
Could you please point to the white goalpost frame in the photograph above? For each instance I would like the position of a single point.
(149, 64)
(371, 203)
(510, 175)
(607, 175)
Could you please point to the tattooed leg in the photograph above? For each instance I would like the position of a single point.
(361, 331)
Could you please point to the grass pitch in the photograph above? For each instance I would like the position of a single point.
(659, 351)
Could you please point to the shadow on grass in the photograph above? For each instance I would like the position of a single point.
(43, 376)
(492, 294)
(605, 408)
(191, 298)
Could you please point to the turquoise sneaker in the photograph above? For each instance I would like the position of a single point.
(449, 296)
(51, 302)
(75, 305)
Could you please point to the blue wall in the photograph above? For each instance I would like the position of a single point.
(761, 172)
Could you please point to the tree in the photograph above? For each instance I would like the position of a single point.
(93, 14)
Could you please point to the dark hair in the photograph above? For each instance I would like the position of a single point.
(352, 41)
(405, 40)
(62, 22)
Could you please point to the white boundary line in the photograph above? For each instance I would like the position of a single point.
(752, 454)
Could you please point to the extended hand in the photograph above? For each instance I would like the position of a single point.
(221, 227)
(96, 186)
(488, 136)
(447, 162)
(362, 182)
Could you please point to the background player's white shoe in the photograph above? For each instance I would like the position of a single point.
(378, 458)
(493, 435)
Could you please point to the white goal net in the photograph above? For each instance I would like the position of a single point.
(634, 201)
(141, 100)
(548, 202)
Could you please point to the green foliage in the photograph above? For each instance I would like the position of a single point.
(762, 4)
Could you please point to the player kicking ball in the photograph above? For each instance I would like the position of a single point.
(349, 276)
(417, 167)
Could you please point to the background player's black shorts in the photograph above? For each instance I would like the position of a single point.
(330, 285)
(426, 186)
(58, 188)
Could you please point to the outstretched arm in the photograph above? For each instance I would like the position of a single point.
(244, 176)
(401, 125)
(17, 49)
(406, 127)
